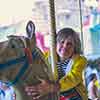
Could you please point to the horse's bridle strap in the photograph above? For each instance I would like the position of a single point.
(12, 62)
(28, 54)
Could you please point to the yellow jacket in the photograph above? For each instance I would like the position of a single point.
(74, 77)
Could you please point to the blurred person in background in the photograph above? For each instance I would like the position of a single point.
(92, 87)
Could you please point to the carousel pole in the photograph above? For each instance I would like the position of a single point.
(81, 27)
(53, 41)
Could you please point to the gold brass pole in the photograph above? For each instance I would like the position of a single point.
(53, 41)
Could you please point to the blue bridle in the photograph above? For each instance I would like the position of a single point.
(9, 64)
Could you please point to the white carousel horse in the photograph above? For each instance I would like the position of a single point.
(21, 62)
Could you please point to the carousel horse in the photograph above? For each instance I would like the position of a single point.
(21, 62)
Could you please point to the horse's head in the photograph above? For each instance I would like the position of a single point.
(15, 45)
(16, 67)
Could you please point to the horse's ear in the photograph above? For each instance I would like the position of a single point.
(30, 29)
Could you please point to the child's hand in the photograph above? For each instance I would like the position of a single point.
(41, 89)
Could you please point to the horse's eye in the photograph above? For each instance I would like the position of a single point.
(13, 46)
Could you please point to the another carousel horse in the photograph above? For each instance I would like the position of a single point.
(21, 63)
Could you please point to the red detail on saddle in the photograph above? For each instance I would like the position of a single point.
(29, 54)
(68, 97)
(62, 98)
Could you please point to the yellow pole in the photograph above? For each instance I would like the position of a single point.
(52, 35)
(53, 40)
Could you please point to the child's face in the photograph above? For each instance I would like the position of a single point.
(65, 48)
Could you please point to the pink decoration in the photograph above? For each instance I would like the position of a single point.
(40, 42)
